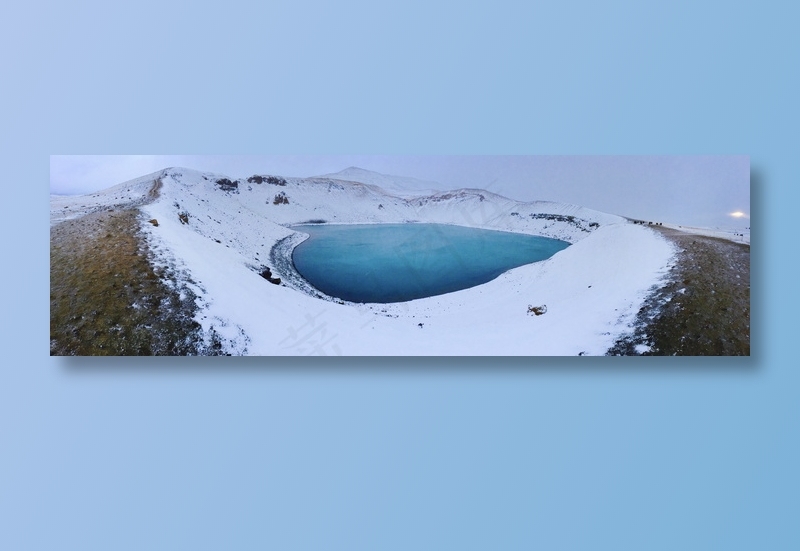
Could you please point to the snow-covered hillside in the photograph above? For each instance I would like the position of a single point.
(222, 232)
(133, 193)
(401, 186)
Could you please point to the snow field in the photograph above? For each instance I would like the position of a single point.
(592, 289)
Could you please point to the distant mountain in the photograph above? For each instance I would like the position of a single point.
(402, 186)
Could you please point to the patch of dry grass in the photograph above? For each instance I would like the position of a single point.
(703, 309)
(107, 299)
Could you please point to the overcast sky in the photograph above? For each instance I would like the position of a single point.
(689, 190)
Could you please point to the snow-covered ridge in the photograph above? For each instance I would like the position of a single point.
(343, 202)
(132, 193)
(222, 231)
(400, 186)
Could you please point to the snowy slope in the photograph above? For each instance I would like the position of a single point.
(132, 193)
(401, 186)
(221, 232)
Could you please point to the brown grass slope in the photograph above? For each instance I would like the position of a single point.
(704, 307)
(106, 298)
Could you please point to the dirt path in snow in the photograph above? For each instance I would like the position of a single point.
(155, 191)
(703, 310)
(107, 298)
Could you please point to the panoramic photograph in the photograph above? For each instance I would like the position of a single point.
(377, 255)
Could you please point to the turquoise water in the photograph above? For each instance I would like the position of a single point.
(399, 262)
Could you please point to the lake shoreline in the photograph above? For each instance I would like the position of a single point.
(397, 263)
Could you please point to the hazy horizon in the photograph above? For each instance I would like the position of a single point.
(689, 190)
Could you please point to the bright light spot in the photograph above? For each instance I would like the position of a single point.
(738, 214)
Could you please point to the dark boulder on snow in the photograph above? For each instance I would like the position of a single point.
(266, 273)
(227, 185)
(274, 180)
(537, 310)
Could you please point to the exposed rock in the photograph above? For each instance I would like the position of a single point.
(227, 185)
(274, 180)
(266, 273)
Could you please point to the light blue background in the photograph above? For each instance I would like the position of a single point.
(400, 454)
